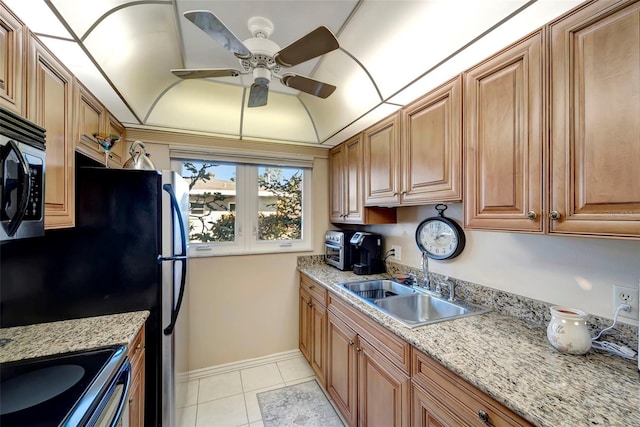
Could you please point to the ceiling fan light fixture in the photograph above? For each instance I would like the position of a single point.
(261, 76)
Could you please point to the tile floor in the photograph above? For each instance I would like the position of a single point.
(229, 399)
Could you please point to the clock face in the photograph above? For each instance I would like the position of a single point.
(439, 238)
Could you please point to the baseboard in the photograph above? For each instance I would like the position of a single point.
(241, 364)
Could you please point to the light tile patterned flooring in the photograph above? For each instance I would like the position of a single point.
(229, 399)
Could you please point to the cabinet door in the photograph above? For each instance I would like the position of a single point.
(12, 41)
(304, 324)
(341, 368)
(50, 105)
(428, 412)
(504, 139)
(318, 338)
(381, 150)
(383, 390)
(353, 198)
(90, 118)
(431, 166)
(137, 389)
(595, 125)
(116, 155)
(336, 184)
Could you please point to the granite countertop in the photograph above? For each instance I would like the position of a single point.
(46, 339)
(512, 361)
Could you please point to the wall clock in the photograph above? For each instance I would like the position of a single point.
(439, 237)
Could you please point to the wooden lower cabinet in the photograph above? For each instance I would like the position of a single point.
(429, 412)
(135, 404)
(313, 326)
(367, 388)
(441, 398)
(383, 389)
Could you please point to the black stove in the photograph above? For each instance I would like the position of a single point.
(58, 390)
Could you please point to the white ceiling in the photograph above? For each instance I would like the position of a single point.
(391, 52)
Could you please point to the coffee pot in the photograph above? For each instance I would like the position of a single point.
(139, 158)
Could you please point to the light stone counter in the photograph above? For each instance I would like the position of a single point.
(45, 339)
(512, 361)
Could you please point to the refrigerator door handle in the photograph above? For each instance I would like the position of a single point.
(182, 257)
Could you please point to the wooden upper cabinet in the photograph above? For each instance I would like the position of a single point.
(90, 118)
(431, 146)
(504, 131)
(12, 45)
(346, 182)
(595, 120)
(116, 155)
(346, 199)
(382, 162)
(50, 92)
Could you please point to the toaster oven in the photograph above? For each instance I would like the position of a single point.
(337, 250)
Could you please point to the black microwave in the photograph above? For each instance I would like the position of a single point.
(22, 177)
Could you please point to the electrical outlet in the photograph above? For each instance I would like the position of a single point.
(622, 295)
(397, 252)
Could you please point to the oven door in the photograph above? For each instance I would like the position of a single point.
(111, 411)
(334, 255)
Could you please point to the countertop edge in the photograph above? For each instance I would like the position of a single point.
(65, 336)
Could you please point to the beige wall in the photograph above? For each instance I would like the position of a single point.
(572, 271)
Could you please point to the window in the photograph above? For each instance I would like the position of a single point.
(238, 208)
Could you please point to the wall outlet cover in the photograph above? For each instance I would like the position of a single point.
(624, 295)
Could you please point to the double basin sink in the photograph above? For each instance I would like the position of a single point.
(411, 306)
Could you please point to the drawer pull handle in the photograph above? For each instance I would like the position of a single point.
(484, 417)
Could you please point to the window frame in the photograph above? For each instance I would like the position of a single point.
(246, 213)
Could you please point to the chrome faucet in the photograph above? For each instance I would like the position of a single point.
(451, 286)
(425, 271)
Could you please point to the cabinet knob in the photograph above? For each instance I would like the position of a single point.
(554, 215)
(309, 304)
(351, 342)
(358, 349)
(403, 193)
(483, 416)
(311, 287)
(532, 215)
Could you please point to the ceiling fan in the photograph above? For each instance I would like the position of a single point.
(262, 57)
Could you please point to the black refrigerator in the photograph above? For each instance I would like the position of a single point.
(127, 252)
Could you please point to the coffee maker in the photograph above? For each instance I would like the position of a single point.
(367, 253)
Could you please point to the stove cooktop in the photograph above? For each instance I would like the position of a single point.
(45, 391)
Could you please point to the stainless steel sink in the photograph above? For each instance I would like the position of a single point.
(372, 290)
(412, 307)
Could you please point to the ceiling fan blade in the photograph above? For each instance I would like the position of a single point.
(258, 95)
(316, 43)
(203, 73)
(211, 25)
(307, 85)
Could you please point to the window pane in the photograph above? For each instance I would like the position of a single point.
(279, 203)
(212, 201)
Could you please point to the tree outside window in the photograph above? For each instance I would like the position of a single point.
(213, 200)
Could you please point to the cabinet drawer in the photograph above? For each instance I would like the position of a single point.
(315, 289)
(460, 397)
(393, 347)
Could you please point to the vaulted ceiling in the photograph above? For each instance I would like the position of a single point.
(391, 52)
